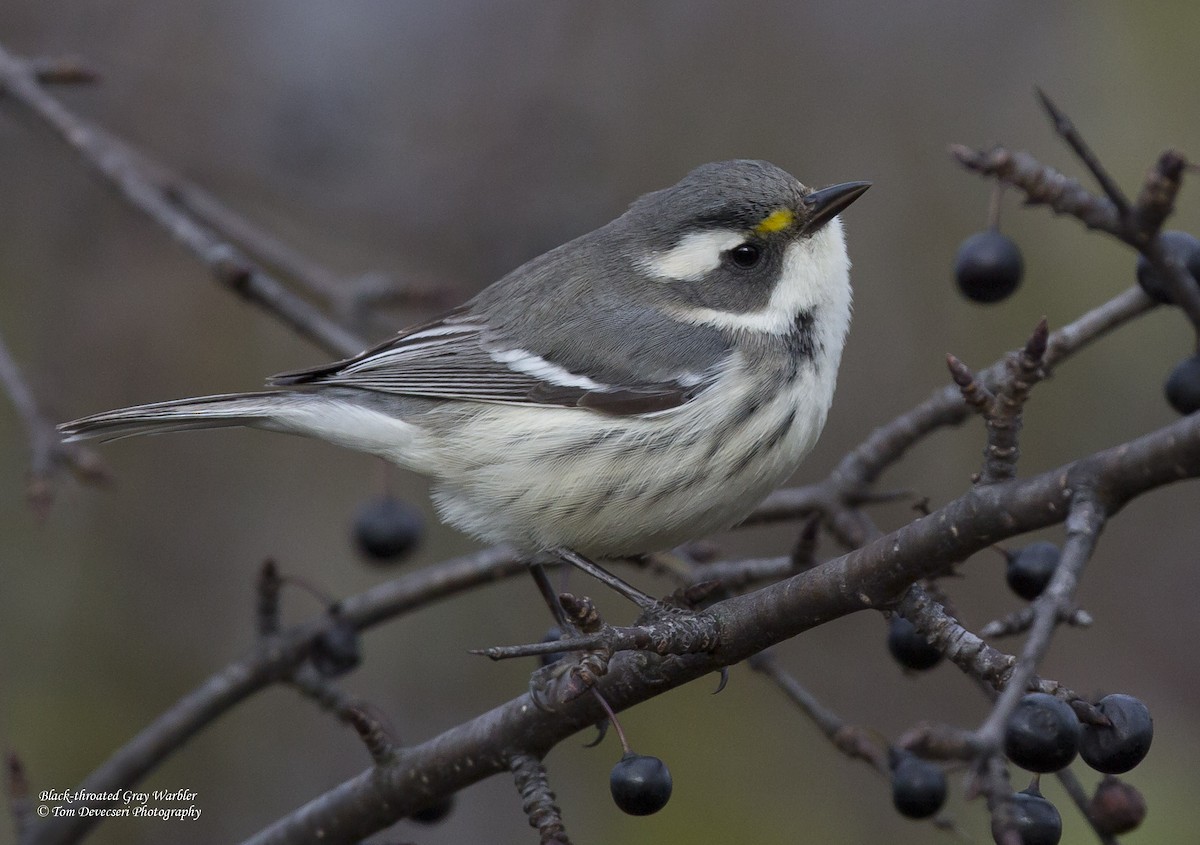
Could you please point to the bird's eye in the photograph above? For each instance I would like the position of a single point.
(745, 255)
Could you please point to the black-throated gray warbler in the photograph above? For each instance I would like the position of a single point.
(639, 386)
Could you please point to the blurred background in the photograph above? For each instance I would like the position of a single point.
(445, 143)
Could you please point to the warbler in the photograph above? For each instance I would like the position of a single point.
(644, 384)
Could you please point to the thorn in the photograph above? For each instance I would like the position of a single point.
(1035, 348)
(1062, 124)
(959, 371)
(962, 152)
(601, 732)
(268, 588)
(1067, 131)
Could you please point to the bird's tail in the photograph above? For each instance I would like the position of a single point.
(230, 409)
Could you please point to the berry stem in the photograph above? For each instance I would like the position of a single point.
(312, 589)
(612, 717)
(994, 205)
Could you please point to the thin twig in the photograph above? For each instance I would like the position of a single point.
(1084, 523)
(962, 648)
(145, 187)
(1067, 131)
(1006, 416)
(1018, 622)
(271, 661)
(327, 695)
(48, 453)
(374, 733)
(854, 742)
(1080, 799)
(347, 297)
(537, 799)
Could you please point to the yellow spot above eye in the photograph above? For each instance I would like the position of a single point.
(777, 220)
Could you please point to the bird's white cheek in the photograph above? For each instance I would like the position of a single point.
(695, 256)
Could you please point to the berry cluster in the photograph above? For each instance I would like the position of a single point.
(1043, 734)
(988, 268)
(1182, 250)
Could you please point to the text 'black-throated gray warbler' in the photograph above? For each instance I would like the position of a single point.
(637, 387)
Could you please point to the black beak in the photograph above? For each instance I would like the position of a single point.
(827, 203)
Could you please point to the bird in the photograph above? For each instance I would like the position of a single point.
(642, 385)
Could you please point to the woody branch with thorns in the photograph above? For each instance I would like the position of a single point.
(745, 606)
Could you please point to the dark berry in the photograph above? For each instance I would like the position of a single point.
(640, 785)
(1036, 820)
(1177, 247)
(434, 813)
(1117, 807)
(554, 634)
(918, 787)
(1042, 734)
(1183, 386)
(909, 646)
(988, 266)
(387, 528)
(1031, 568)
(1118, 747)
(335, 650)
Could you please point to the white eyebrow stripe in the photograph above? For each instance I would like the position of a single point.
(538, 367)
(696, 255)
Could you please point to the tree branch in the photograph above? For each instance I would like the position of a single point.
(871, 577)
(271, 661)
(148, 188)
(887, 444)
(1084, 523)
(48, 453)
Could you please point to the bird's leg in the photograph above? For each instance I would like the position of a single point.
(550, 596)
(642, 600)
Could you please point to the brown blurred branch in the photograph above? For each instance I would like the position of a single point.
(271, 661)
(149, 188)
(48, 453)
(855, 742)
(348, 298)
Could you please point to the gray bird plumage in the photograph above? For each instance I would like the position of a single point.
(640, 385)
